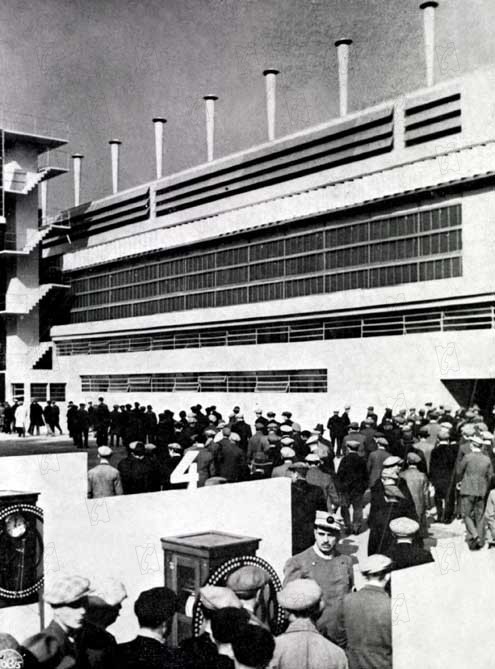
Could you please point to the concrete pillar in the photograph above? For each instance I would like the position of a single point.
(114, 154)
(343, 57)
(270, 84)
(210, 125)
(429, 8)
(159, 124)
(76, 164)
(43, 200)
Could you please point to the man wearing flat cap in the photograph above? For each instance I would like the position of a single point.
(287, 454)
(405, 552)
(376, 459)
(137, 472)
(301, 646)
(56, 645)
(104, 480)
(201, 651)
(333, 572)
(418, 485)
(365, 618)
(443, 476)
(247, 582)
(154, 609)
(95, 643)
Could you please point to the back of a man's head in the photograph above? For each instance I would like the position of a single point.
(253, 647)
(155, 606)
(228, 623)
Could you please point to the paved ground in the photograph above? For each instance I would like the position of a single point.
(13, 445)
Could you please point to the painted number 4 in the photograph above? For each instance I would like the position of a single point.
(186, 471)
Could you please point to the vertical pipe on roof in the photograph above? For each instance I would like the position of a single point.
(210, 125)
(114, 155)
(76, 164)
(343, 56)
(270, 84)
(159, 124)
(429, 8)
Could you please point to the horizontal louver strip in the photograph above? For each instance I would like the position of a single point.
(432, 119)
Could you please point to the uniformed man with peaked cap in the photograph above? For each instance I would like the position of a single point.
(333, 572)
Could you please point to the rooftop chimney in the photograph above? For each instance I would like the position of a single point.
(159, 124)
(429, 35)
(114, 151)
(270, 84)
(76, 164)
(210, 124)
(343, 56)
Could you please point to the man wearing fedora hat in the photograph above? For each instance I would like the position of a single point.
(332, 571)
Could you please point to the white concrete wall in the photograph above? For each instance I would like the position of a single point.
(399, 371)
(120, 537)
(442, 613)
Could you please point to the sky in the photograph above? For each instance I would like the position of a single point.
(105, 68)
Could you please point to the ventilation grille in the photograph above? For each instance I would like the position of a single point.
(428, 118)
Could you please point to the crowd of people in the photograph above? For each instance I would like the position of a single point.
(17, 418)
(407, 469)
(328, 625)
(403, 465)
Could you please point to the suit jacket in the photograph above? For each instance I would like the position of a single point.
(302, 647)
(97, 646)
(442, 468)
(104, 481)
(375, 465)
(53, 649)
(382, 511)
(409, 555)
(475, 471)
(352, 475)
(417, 482)
(366, 619)
(306, 499)
(230, 461)
(138, 475)
(145, 653)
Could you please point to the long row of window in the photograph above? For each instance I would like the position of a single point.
(384, 324)
(279, 381)
(380, 252)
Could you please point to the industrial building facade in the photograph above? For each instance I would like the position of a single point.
(347, 263)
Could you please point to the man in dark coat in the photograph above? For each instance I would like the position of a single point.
(442, 476)
(48, 417)
(137, 472)
(81, 426)
(352, 478)
(35, 417)
(337, 430)
(101, 418)
(97, 645)
(405, 552)
(390, 498)
(306, 500)
(365, 618)
(376, 459)
(55, 417)
(154, 610)
(230, 459)
(150, 424)
(71, 420)
(243, 430)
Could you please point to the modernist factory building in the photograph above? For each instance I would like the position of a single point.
(348, 263)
